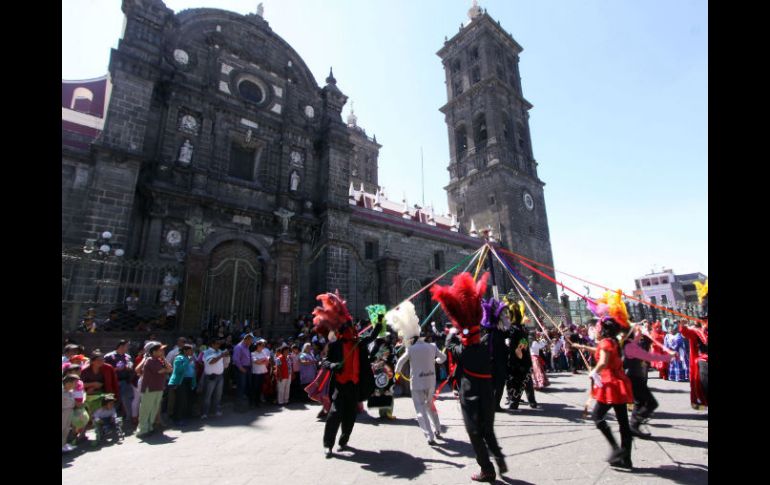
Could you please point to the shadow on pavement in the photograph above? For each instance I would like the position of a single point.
(557, 410)
(692, 474)
(157, 439)
(680, 441)
(666, 415)
(511, 481)
(390, 463)
(453, 448)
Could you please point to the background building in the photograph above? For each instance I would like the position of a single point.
(226, 174)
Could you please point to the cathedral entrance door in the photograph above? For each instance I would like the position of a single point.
(232, 287)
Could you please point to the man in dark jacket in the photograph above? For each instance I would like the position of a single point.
(351, 382)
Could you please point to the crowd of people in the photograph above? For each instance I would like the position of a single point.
(144, 387)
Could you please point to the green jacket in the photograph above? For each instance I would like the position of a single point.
(180, 369)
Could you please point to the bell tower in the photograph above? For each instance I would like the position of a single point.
(492, 169)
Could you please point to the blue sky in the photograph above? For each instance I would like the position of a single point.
(619, 125)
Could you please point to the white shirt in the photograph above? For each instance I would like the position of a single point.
(535, 347)
(422, 357)
(172, 355)
(215, 368)
(558, 346)
(259, 368)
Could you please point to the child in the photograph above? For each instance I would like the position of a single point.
(106, 418)
(67, 406)
(283, 374)
(80, 417)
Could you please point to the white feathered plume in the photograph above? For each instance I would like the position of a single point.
(403, 319)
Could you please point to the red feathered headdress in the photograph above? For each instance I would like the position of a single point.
(331, 314)
(462, 302)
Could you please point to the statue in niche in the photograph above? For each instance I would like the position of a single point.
(185, 153)
(284, 215)
(200, 230)
(294, 183)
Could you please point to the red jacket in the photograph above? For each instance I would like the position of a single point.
(111, 385)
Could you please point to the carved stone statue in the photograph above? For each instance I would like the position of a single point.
(201, 230)
(294, 181)
(261, 10)
(284, 215)
(186, 152)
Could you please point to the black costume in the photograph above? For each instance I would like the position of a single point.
(474, 376)
(346, 396)
(519, 369)
(499, 355)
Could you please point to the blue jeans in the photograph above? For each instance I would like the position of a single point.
(126, 396)
(242, 384)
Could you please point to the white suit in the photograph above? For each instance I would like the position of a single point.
(423, 358)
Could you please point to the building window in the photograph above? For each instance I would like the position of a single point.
(638, 286)
(438, 260)
(81, 100)
(531, 230)
(474, 54)
(370, 250)
(461, 211)
(251, 91)
(480, 131)
(242, 162)
(461, 142)
(664, 300)
(645, 282)
(653, 300)
(491, 200)
(654, 281)
(475, 75)
(664, 281)
(456, 66)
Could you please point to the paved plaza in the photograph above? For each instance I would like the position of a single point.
(549, 445)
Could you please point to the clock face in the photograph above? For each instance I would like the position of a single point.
(529, 203)
(181, 57)
(189, 123)
(174, 237)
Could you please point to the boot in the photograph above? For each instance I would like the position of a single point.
(636, 431)
(605, 429)
(622, 459)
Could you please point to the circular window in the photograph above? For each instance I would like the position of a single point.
(251, 91)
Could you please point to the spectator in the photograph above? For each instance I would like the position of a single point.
(105, 417)
(154, 372)
(295, 390)
(124, 368)
(213, 378)
(183, 380)
(67, 407)
(242, 363)
(260, 359)
(132, 303)
(283, 374)
(170, 308)
(175, 351)
(80, 416)
(99, 378)
(307, 368)
(69, 351)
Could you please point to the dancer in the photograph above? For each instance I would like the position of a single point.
(657, 334)
(348, 359)
(519, 358)
(493, 326)
(384, 378)
(678, 370)
(539, 377)
(611, 387)
(636, 354)
(462, 304)
(422, 357)
(698, 338)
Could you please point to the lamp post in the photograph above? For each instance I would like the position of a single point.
(102, 249)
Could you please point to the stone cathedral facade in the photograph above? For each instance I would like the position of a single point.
(222, 158)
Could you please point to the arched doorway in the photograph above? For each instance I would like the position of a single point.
(231, 289)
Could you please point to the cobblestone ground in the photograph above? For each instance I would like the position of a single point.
(552, 444)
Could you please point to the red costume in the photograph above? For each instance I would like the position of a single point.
(698, 340)
(616, 386)
(657, 336)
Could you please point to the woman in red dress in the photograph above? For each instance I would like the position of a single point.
(612, 389)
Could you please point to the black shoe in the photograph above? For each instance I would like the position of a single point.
(498, 409)
(438, 435)
(502, 467)
(344, 447)
(636, 431)
(432, 443)
(513, 406)
(328, 452)
(623, 462)
(533, 405)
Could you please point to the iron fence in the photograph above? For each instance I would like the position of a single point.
(117, 295)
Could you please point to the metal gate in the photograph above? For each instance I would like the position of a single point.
(231, 293)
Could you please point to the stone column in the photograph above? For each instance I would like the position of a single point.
(286, 256)
(389, 284)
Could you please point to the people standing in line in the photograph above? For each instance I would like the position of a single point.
(307, 368)
(154, 370)
(295, 391)
(184, 381)
(259, 371)
(242, 362)
(121, 361)
(283, 373)
(213, 378)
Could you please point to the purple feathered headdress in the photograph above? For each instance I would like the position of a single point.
(491, 310)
